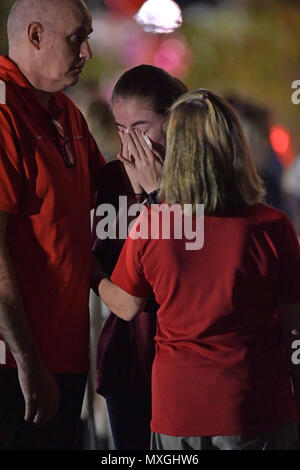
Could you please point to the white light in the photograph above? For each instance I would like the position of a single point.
(159, 16)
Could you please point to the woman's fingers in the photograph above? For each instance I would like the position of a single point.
(140, 143)
(159, 158)
(150, 152)
(121, 136)
(124, 140)
(133, 147)
(125, 160)
(129, 150)
(123, 146)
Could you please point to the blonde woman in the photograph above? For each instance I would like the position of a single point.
(220, 378)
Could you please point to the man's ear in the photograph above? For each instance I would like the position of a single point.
(35, 32)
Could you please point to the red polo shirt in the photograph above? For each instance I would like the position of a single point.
(219, 368)
(48, 233)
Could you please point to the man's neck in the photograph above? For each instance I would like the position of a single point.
(42, 96)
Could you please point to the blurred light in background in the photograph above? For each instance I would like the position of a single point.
(227, 46)
(174, 55)
(280, 139)
(127, 7)
(159, 16)
(132, 46)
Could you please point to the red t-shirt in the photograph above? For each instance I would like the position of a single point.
(48, 233)
(220, 367)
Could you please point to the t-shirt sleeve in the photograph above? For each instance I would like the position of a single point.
(129, 273)
(289, 278)
(11, 170)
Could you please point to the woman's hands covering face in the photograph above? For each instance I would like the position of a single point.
(143, 164)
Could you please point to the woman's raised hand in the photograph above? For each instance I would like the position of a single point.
(142, 161)
(125, 158)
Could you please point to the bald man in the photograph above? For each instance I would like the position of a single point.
(48, 168)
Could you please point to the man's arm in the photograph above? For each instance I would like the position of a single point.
(41, 393)
(121, 303)
(289, 314)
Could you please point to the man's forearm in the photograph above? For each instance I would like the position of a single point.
(14, 327)
(15, 332)
(39, 388)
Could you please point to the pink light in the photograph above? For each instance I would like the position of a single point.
(167, 59)
(176, 44)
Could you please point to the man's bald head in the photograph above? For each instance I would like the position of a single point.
(49, 41)
(44, 12)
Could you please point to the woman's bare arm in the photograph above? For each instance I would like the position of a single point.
(121, 303)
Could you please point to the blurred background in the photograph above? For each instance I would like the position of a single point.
(246, 50)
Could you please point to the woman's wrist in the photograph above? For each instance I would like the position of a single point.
(139, 197)
(135, 194)
(152, 197)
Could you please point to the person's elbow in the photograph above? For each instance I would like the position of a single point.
(120, 302)
(126, 314)
(130, 307)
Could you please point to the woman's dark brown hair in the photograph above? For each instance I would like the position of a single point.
(152, 84)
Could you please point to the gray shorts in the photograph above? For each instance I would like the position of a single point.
(284, 437)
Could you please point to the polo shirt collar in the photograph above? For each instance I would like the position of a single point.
(10, 72)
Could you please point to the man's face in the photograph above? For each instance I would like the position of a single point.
(65, 47)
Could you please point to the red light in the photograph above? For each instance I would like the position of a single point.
(280, 139)
(128, 7)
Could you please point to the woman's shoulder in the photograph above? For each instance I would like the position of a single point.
(267, 212)
(269, 220)
(260, 216)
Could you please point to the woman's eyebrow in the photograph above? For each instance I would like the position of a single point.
(133, 124)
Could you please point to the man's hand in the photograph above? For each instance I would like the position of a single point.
(41, 394)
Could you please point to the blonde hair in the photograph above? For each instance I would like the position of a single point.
(207, 157)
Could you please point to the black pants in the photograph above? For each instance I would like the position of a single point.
(130, 416)
(61, 432)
